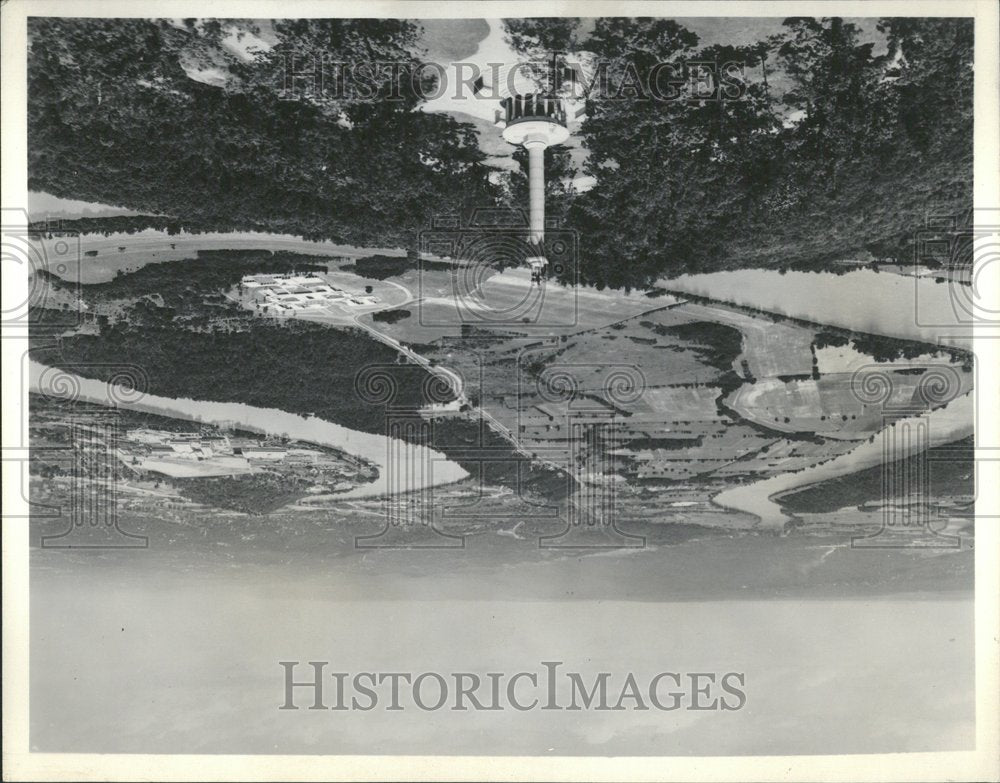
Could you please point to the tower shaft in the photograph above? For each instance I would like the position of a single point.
(536, 191)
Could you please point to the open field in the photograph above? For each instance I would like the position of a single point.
(662, 361)
(946, 424)
(781, 455)
(427, 323)
(696, 403)
(508, 302)
(846, 359)
(833, 405)
(674, 428)
(769, 349)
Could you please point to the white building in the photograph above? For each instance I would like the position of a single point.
(263, 452)
(289, 293)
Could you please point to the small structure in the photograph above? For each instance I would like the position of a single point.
(262, 452)
(290, 293)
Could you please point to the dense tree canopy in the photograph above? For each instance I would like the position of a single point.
(854, 154)
(114, 117)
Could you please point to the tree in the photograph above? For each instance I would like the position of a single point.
(114, 117)
(672, 169)
(542, 35)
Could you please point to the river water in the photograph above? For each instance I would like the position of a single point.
(821, 677)
(95, 258)
(414, 467)
(862, 300)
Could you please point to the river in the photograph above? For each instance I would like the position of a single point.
(95, 258)
(410, 460)
(861, 300)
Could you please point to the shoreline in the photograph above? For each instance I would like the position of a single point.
(273, 421)
(777, 518)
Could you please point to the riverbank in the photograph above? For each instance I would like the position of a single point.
(408, 458)
(95, 258)
(861, 300)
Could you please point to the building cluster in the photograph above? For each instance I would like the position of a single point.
(181, 445)
(289, 293)
(181, 454)
(184, 445)
(215, 453)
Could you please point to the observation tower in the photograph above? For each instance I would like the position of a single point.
(534, 121)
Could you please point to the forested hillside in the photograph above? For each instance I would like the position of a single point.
(114, 117)
(853, 157)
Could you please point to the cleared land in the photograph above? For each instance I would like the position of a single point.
(508, 302)
(833, 405)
